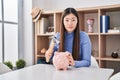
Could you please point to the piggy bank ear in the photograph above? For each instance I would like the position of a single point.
(55, 53)
(68, 53)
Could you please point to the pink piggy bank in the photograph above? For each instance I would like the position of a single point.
(60, 60)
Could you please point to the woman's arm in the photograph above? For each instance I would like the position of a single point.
(52, 48)
(85, 51)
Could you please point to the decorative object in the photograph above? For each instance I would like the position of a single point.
(36, 13)
(104, 23)
(20, 63)
(50, 29)
(9, 64)
(43, 50)
(114, 30)
(90, 23)
(115, 53)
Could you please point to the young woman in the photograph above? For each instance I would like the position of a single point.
(76, 42)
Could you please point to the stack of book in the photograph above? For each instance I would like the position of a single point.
(42, 26)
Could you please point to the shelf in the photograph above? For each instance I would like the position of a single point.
(97, 58)
(87, 10)
(39, 56)
(50, 34)
(93, 34)
(110, 59)
(109, 33)
(113, 9)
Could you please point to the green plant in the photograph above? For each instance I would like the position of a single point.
(20, 63)
(9, 64)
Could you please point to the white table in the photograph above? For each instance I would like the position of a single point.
(48, 72)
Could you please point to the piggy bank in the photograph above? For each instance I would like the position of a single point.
(60, 60)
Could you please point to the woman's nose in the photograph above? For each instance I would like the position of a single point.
(70, 22)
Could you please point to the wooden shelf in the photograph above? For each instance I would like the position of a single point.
(110, 34)
(97, 58)
(42, 55)
(45, 34)
(102, 43)
(110, 59)
(93, 34)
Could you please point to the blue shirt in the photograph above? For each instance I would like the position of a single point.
(85, 48)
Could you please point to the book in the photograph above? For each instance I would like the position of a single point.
(104, 23)
(44, 24)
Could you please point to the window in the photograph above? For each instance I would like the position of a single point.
(10, 42)
(0, 32)
(0, 11)
(10, 10)
(0, 42)
(8, 30)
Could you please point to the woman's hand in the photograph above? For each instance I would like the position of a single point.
(70, 58)
(49, 52)
(48, 55)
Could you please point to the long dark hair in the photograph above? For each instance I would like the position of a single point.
(76, 39)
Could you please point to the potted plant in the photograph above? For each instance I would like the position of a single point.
(9, 64)
(20, 63)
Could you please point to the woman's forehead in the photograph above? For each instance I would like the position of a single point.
(70, 16)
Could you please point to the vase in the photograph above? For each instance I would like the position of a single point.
(90, 23)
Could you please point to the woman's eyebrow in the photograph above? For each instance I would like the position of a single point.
(71, 18)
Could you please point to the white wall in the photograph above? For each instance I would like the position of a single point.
(61, 4)
(51, 5)
(28, 32)
(38, 3)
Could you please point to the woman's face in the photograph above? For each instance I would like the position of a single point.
(70, 22)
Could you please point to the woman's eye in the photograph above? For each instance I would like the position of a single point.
(67, 20)
(73, 20)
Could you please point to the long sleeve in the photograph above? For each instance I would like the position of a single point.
(85, 48)
(85, 51)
